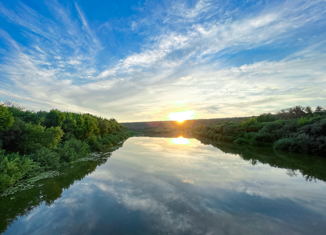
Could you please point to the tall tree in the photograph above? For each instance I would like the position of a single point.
(6, 118)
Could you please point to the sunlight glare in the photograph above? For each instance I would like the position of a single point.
(180, 140)
(181, 116)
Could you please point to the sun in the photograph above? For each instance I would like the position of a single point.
(181, 116)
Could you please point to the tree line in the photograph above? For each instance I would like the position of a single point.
(296, 129)
(34, 142)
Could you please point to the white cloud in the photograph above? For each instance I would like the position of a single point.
(74, 62)
(186, 78)
(181, 62)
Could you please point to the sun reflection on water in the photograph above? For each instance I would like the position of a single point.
(180, 140)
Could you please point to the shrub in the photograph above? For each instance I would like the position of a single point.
(72, 150)
(283, 144)
(315, 119)
(249, 135)
(230, 130)
(240, 140)
(265, 137)
(47, 158)
(251, 121)
(229, 138)
(319, 128)
(320, 146)
(95, 143)
(302, 121)
(300, 144)
(271, 126)
(266, 117)
(255, 127)
(13, 168)
(287, 130)
(217, 136)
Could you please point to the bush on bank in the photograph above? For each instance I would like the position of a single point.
(34, 142)
(296, 129)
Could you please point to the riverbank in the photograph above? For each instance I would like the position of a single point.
(297, 129)
(33, 145)
(21, 201)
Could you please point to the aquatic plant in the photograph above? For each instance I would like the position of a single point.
(28, 183)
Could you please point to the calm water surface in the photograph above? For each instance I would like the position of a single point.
(176, 186)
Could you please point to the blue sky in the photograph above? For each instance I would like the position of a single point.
(141, 60)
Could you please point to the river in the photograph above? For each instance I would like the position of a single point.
(176, 186)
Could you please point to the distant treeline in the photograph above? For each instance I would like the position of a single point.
(184, 125)
(297, 129)
(34, 142)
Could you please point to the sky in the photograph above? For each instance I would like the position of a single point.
(141, 60)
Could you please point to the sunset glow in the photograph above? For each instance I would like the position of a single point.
(181, 116)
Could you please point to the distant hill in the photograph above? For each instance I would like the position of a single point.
(184, 125)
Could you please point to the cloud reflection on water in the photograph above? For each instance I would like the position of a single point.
(153, 186)
(229, 193)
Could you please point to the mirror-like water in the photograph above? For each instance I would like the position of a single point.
(176, 186)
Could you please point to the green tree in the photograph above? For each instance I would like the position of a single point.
(251, 121)
(266, 117)
(308, 110)
(6, 118)
(319, 109)
(26, 116)
(302, 121)
(37, 136)
(54, 118)
(13, 137)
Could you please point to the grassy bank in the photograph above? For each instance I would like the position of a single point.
(32, 143)
(297, 129)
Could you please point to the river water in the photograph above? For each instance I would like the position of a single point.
(176, 186)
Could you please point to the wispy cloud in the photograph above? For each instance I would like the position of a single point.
(216, 56)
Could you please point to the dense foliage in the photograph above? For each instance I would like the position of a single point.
(33, 142)
(297, 129)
